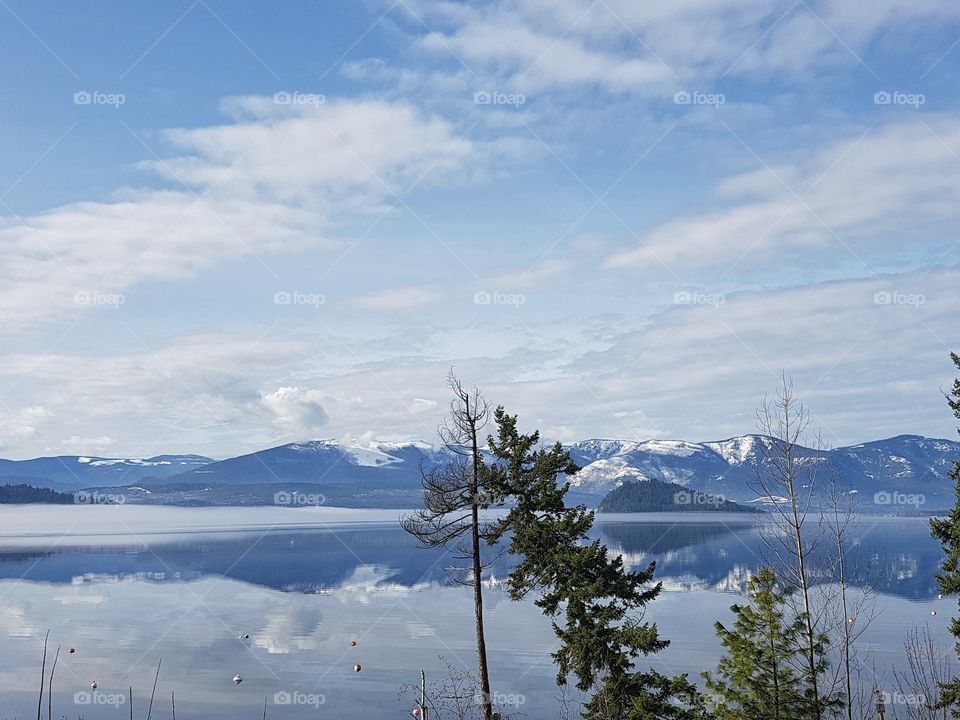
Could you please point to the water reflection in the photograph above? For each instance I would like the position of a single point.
(301, 596)
(896, 556)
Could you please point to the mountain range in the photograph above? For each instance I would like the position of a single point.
(907, 470)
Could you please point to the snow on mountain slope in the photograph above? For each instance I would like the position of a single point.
(729, 467)
(604, 475)
(739, 449)
(362, 468)
(677, 448)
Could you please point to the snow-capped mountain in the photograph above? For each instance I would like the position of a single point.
(387, 474)
(322, 462)
(904, 465)
(78, 471)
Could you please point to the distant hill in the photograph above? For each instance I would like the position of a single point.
(879, 475)
(658, 496)
(74, 472)
(23, 494)
(318, 463)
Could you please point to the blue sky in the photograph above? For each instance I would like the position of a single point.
(232, 224)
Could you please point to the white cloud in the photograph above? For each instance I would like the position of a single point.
(277, 179)
(692, 371)
(423, 405)
(353, 152)
(623, 45)
(871, 191)
(296, 410)
(88, 445)
(21, 426)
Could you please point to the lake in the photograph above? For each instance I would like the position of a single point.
(276, 595)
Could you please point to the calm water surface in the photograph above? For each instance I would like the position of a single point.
(126, 599)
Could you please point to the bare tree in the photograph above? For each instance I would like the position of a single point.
(852, 613)
(786, 478)
(453, 696)
(917, 688)
(453, 496)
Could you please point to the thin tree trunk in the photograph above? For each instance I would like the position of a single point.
(53, 669)
(477, 587)
(804, 585)
(43, 673)
(846, 627)
(776, 676)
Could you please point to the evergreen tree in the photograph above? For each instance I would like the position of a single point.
(947, 531)
(761, 676)
(602, 632)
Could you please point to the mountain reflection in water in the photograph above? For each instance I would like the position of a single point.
(894, 555)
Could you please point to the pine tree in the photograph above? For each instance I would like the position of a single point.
(947, 531)
(761, 676)
(601, 633)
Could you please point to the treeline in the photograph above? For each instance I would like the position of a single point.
(23, 494)
(659, 496)
(791, 649)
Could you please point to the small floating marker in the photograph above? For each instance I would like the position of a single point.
(933, 612)
(93, 685)
(356, 668)
(245, 636)
(939, 597)
(237, 679)
(415, 712)
(72, 650)
(852, 620)
(353, 643)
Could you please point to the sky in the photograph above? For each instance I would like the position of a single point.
(227, 224)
